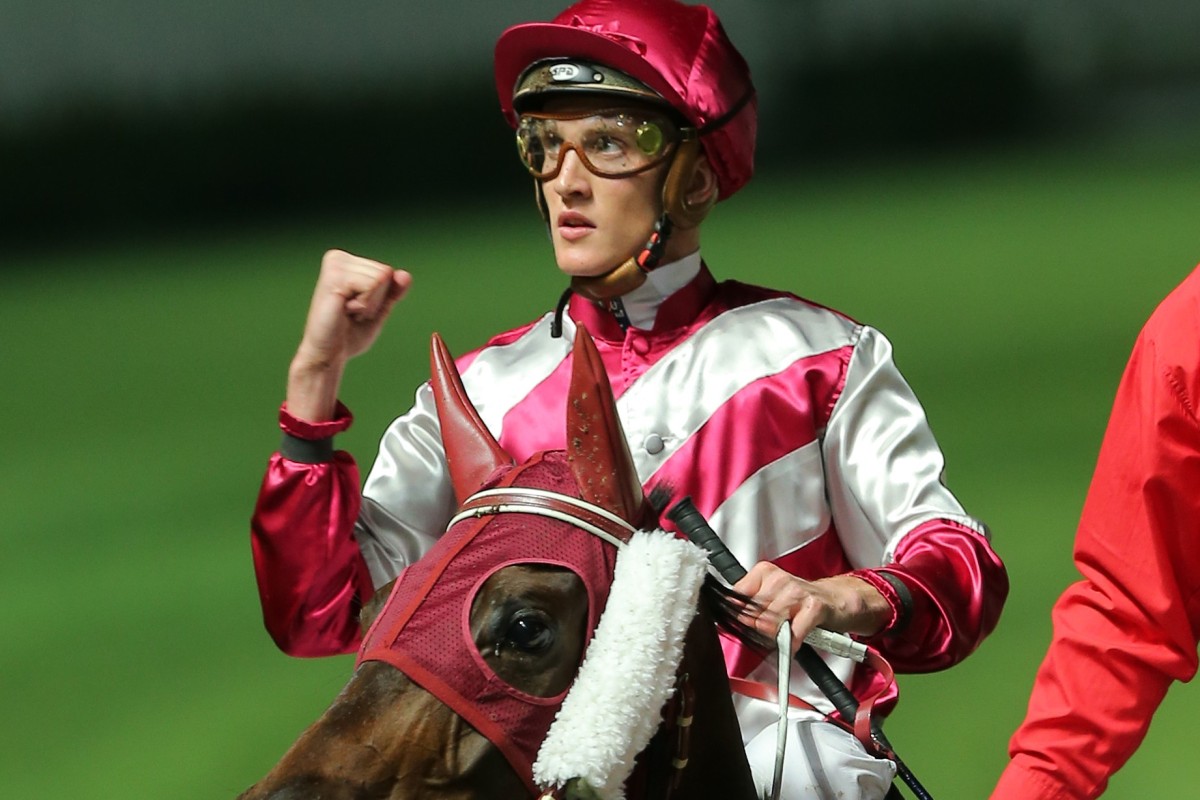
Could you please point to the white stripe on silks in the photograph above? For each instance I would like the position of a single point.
(501, 376)
(615, 704)
(778, 509)
(684, 387)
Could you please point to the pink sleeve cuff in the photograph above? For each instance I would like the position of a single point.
(314, 431)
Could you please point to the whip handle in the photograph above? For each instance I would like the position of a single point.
(692, 524)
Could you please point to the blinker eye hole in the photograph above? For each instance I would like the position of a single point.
(649, 138)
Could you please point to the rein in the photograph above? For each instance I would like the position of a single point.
(868, 731)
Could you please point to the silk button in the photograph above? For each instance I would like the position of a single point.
(640, 346)
(653, 444)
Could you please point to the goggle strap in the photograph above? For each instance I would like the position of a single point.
(733, 111)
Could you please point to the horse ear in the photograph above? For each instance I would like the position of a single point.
(472, 453)
(596, 446)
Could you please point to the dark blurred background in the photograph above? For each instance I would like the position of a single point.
(139, 117)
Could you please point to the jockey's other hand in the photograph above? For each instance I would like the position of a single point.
(842, 603)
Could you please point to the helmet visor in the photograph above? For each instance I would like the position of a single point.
(611, 143)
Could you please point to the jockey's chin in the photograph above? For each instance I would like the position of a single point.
(593, 243)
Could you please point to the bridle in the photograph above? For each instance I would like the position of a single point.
(586, 516)
(678, 699)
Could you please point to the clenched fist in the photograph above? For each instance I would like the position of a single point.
(352, 300)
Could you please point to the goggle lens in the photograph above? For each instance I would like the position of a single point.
(611, 144)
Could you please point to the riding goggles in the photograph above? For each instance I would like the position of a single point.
(612, 144)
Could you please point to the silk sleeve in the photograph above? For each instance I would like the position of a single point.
(311, 576)
(893, 513)
(957, 585)
(407, 497)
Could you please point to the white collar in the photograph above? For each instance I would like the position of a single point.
(643, 302)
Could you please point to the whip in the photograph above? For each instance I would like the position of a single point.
(691, 523)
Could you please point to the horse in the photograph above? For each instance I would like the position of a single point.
(500, 665)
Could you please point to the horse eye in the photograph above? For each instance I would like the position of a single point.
(529, 633)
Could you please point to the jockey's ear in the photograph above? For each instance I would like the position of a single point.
(703, 189)
(691, 189)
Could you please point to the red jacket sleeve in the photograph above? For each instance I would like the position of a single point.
(1130, 627)
(311, 576)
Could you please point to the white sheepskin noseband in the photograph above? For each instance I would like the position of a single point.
(615, 704)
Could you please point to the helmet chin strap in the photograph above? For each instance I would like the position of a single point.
(631, 273)
(609, 287)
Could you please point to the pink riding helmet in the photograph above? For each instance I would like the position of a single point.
(680, 51)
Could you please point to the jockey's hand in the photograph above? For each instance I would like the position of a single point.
(352, 300)
(841, 603)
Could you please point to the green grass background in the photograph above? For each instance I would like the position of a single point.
(141, 382)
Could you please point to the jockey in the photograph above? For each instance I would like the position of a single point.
(787, 423)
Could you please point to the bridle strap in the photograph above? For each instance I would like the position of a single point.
(586, 516)
(859, 726)
(663, 762)
(678, 717)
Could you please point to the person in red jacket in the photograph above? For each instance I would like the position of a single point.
(1130, 627)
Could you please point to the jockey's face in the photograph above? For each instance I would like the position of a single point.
(597, 223)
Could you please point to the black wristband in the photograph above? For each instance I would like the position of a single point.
(904, 613)
(307, 451)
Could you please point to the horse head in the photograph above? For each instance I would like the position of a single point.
(504, 660)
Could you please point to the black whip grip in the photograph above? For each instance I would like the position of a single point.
(692, 524)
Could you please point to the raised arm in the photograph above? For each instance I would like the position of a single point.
(352, 300)
(311, 574)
